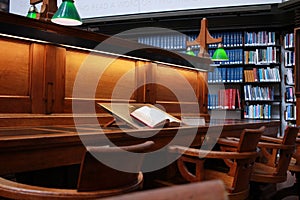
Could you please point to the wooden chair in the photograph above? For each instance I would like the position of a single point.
(206, 190)
(275, 156)
(240, 162)
(95, 178)
(294, 168)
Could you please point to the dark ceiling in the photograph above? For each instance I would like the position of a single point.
(229, 18)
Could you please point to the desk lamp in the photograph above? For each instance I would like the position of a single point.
(66, 14)
(204, 39)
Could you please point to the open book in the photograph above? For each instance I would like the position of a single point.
(154, 117)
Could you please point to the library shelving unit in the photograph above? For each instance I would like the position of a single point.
(262, 75)
(226, 78)
(248, 85)
(289, 79)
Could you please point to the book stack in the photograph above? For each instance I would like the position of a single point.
(226, 75)
(262, 75)
(225, 99)
(258, 93)
(260, 56)
(289, 58)
(289, 94)
(290, 113)
(229, 39)
(258, 111)
(289, 40)
(261, 38)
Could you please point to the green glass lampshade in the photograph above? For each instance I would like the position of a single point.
(67, 14)
(190, 52)
(220, 55)
(32, 12)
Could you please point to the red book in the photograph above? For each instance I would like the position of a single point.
(233, 100)
(226, 98)
(238, 98)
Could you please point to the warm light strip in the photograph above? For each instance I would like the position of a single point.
(131, 57)
(23, 38)
(181, 66)
(101, 52)
(104, 52)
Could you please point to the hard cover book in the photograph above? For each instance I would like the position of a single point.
(154, 117)
(139, 115)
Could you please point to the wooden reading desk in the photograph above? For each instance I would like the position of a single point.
(40, 147)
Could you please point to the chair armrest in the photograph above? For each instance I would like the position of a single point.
(275, 146)
(211, 154)
(229, 141)
(271, 139)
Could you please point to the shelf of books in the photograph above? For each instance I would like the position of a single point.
(289, 82)
(227, 77)
(248, 85)
(262, 102)
(169, 41)
(253, 72)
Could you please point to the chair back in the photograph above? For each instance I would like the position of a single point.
(285, 154)
(275, 157)
(102, 175)
(238, 154)
(241, 168)
(249, 139)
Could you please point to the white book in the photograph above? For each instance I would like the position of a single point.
(153, 117)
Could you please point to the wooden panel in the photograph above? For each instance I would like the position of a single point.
(54, 78)
(151, 90)
(104, 72)
(15, 104)
(74, 59)
(186, 86)
(172, 82)
(119, 76)
(14, 76)
(43, 158)
(14, 68)
(37, 53)
(140, 81)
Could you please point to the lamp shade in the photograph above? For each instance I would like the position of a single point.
(190, 52)
(220, 55)
(32, 12)
(67, 14)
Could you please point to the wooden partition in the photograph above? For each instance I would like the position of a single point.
(39, 78)
(15, 76)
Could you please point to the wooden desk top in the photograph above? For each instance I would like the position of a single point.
(39, 147)
(28, 135)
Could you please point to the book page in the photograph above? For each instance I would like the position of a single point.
(152, 116)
